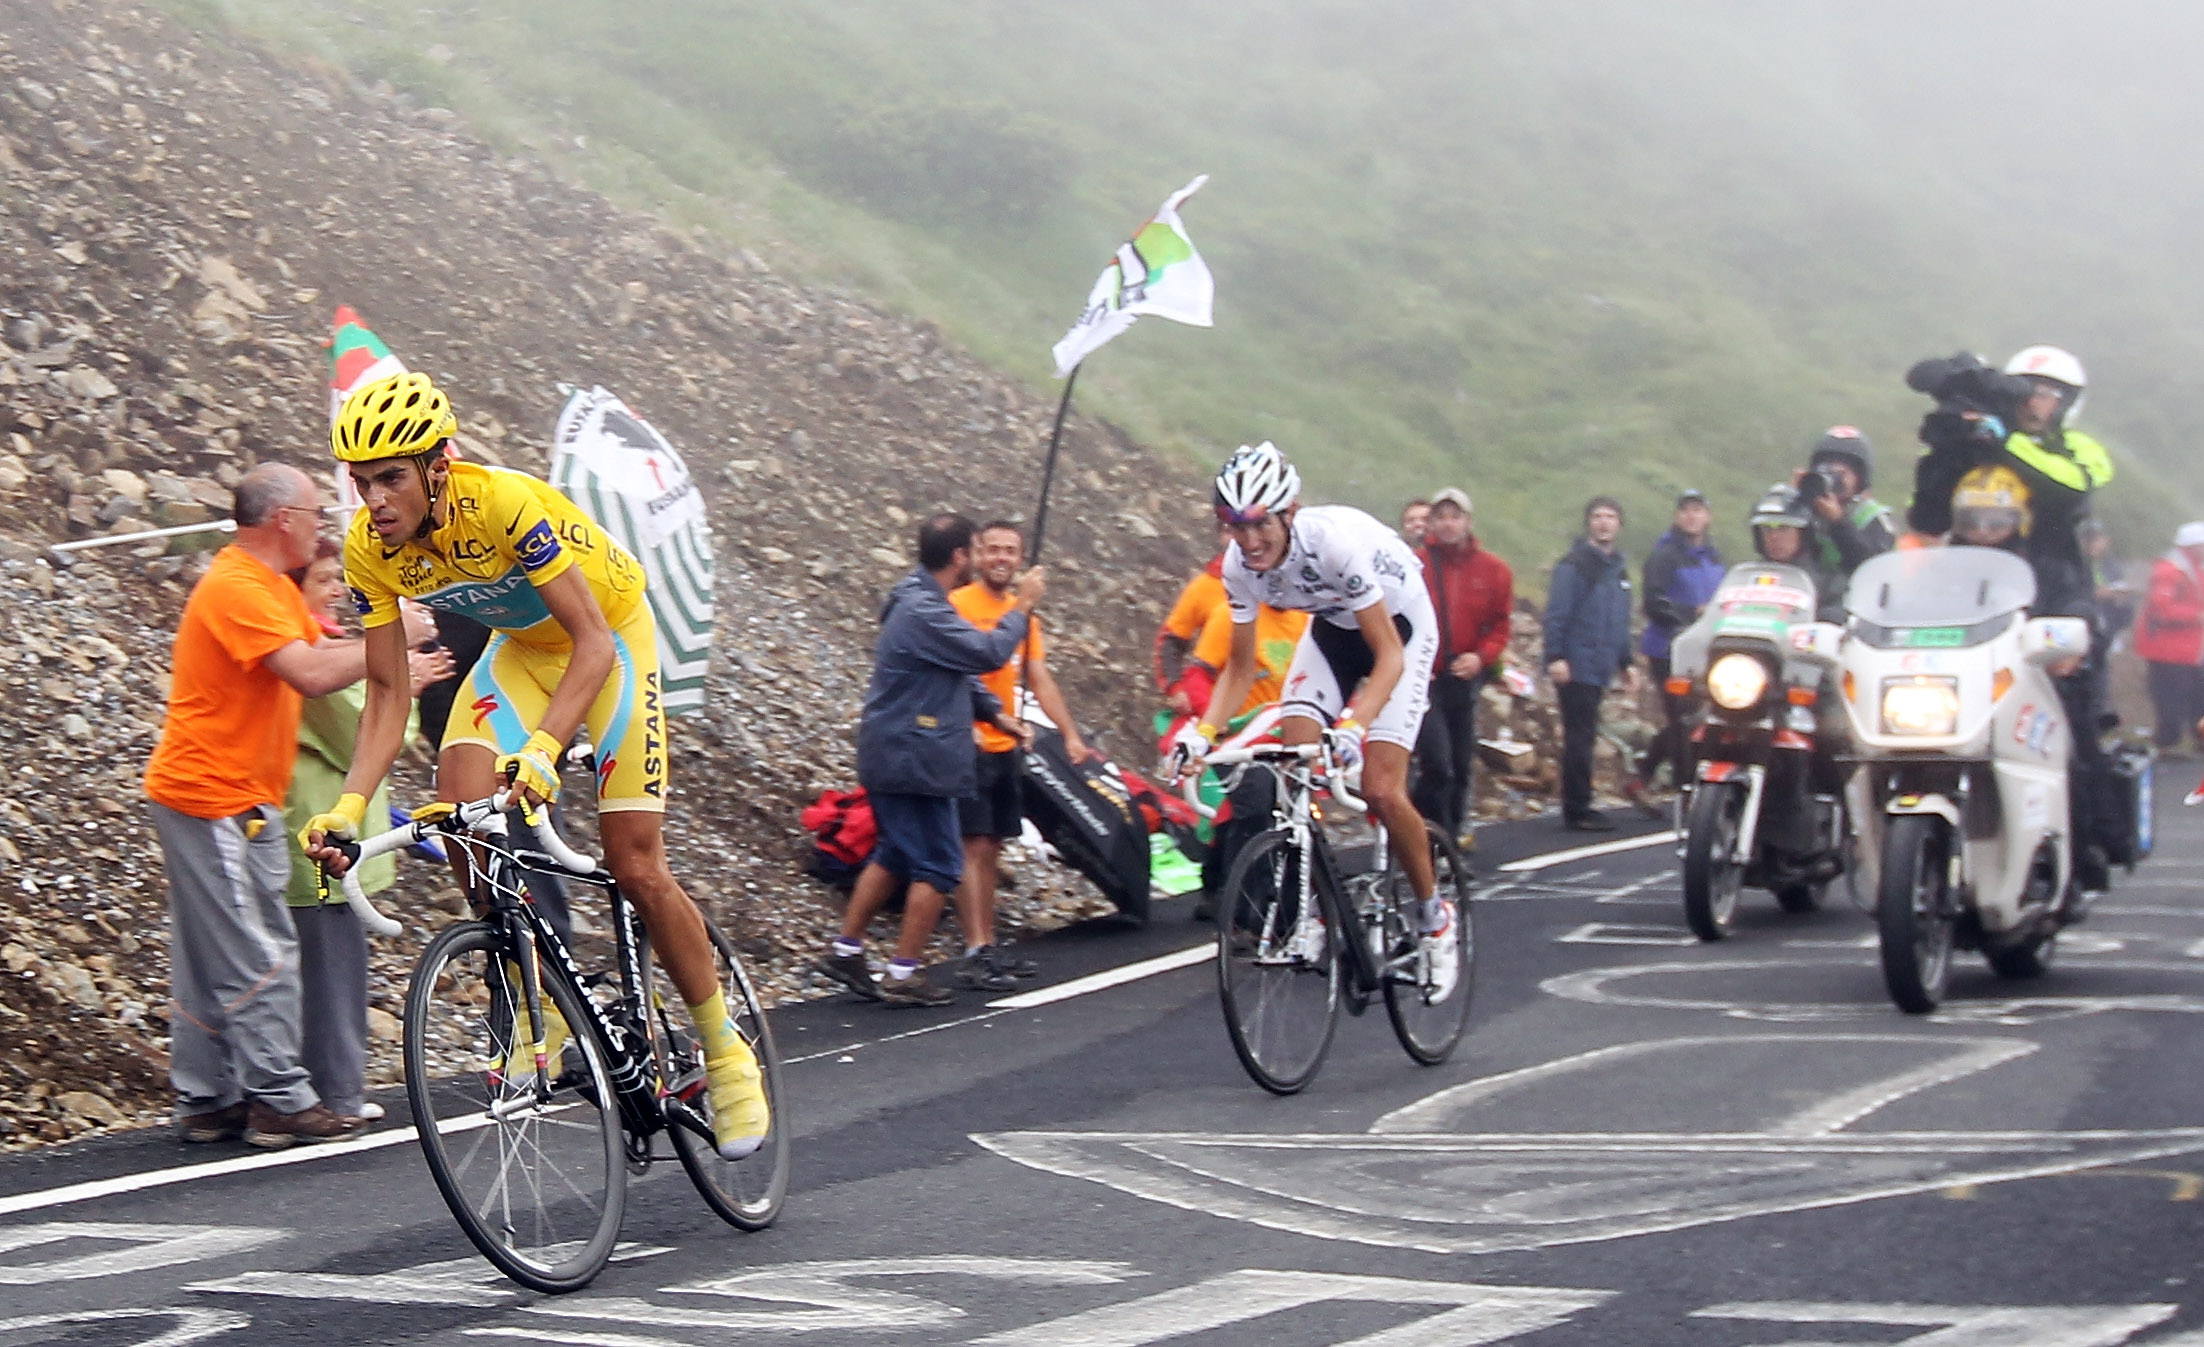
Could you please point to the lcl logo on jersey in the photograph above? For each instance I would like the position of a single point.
(537, 546)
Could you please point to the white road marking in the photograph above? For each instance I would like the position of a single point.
(1448, 1110)
(832, 1295)
(1506, 1192)
(1108, 977)
(1968, 1325)
(192, 1325)
(214, 1169)
(1553, 858)
(145, 1247)
(1474, 1315)
(1611, 933)
(1594, 986)
(468, 1282)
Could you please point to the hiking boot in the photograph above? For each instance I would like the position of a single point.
(204, 1129)
(740, 1115)
(915, 990)
(273, 1131)
(851, 971)
(1003, 961)
(978, 971)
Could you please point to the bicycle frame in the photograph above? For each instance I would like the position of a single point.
(1297, 811)
(494, 867)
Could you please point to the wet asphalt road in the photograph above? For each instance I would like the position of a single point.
(1644, 1140)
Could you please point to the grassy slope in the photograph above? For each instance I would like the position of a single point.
(1540, 250)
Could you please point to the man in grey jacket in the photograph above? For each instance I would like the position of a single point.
(916, 756)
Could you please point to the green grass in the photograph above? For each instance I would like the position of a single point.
(1536, 250)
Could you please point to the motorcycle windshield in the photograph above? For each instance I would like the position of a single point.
(1941, 587)
(1757, 590)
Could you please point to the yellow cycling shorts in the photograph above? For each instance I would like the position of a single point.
(505, 695)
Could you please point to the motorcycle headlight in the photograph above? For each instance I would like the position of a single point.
(1737, 682)
(1928, 707)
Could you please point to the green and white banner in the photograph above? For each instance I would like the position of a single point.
(624, 475)
(1157, 272)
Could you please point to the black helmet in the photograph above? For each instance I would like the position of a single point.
(1779, 506)
(1845, 442)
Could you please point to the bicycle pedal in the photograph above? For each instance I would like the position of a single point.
(1357, 1003)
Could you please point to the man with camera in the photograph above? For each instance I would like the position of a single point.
(2016, 419)
(1854, 525)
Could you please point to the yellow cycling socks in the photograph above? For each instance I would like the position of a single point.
(715, 1028)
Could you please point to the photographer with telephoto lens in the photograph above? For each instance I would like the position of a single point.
(1853, 525)
(2018, 419)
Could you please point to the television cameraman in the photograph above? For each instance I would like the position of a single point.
(2017, 419)
(1853, 524)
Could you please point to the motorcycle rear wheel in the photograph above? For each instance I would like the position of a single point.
(1911, 913)
(1712, 875)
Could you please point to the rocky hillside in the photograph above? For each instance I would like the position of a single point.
(179, 219)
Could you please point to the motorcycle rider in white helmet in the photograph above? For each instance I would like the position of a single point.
(2022, 421)
(1363, 667)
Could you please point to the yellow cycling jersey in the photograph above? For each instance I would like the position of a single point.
(506, 533)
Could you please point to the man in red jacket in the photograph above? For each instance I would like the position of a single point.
(1474, 593)
(2170, 637)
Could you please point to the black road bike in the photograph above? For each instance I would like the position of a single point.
(532, 1141)
(1297, 938)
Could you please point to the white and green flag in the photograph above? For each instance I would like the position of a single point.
(624, 475)
(1157, 271)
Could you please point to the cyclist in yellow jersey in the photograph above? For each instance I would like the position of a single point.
(572, 644)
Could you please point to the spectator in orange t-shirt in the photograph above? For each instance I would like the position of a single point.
(995, 812)
(1200, 599)
(246, 652)
(1277, 634)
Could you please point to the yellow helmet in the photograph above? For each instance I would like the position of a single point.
(1991, 498)
(402, 416)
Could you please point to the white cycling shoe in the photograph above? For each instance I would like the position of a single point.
(1441, 956)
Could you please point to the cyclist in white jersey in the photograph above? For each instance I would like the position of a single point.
(1363, 667)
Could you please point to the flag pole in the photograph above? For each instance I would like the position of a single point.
(1048, 467)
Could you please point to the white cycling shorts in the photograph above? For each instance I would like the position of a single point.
(1331, 662)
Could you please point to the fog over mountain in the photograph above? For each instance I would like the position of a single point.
(1536, 248)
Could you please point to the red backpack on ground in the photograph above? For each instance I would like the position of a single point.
(842, 835)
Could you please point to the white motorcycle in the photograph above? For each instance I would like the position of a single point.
(1963, 745)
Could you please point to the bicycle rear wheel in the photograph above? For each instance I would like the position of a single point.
(538, 1185)
(1277, 976)
(1427, 1023)
(746, 1193)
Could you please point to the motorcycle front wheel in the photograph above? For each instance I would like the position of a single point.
(1712, 875)
(1912, 912)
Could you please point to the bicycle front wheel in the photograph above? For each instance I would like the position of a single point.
(746, 1193)
(1427, 1000)
(1277, 974)
(538, 1184)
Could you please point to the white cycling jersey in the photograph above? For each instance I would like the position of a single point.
(1339, 561)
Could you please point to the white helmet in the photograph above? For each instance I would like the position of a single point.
(2059, 366)
(1254, 482)
(2049, 362)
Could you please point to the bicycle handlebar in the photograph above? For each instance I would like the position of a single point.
(485, 815)
(1336, 782)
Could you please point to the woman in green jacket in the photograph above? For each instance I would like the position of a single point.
(332, 946)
